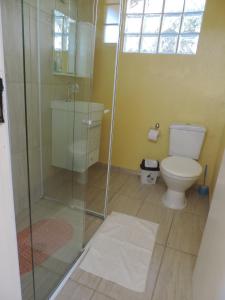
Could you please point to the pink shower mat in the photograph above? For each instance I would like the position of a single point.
(48, 235)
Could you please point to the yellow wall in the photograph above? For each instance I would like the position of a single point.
(166, 89)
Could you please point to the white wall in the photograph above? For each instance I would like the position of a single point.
(209, 275)
(9, 266)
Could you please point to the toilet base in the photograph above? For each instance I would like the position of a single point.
(174, 199)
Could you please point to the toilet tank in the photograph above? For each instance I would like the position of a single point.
(186, 140)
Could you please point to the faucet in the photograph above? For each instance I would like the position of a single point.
(72, 90)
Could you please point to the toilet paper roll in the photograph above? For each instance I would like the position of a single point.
(153, 135)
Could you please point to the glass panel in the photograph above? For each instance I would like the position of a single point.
(67, 134)
(131, 43)
(64, 140)
(112, 1)
(59, 24)
(168, 44)
(67, 22)
(112, 14)
(194, 5)
(111, 34)
(191, 23)
(135, 6)
(11, 14)
(57, 215)
(133, 24)
(153, 6)
(100, 89)
(171, 24)
(151, 24)
(173, 6)
(188, 44)
(149, 44)
(58, 42)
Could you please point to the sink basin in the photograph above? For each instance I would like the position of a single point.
(77, 106)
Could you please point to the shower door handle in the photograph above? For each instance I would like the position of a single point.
(1, 101)
(91, 123)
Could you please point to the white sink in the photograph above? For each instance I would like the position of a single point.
(77, 106)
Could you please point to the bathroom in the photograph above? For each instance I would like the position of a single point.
(84, 83)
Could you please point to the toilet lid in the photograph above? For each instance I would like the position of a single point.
(181, 166)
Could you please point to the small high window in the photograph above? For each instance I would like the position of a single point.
(61, 32)
(163, 26)
(111, 21)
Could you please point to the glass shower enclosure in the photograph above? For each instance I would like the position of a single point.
(61, 126)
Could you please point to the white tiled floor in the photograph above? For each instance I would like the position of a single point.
(175, 252)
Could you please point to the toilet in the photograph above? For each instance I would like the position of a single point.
(181, 169)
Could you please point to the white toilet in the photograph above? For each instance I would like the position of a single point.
(181, 170)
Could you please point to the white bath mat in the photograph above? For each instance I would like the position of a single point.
(121, 251)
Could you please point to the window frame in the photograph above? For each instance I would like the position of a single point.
(179, 34)
(108, 3)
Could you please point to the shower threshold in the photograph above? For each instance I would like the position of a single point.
(78, 207)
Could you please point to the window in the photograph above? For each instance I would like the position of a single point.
(111, 21)
(62, 28)
(163, 26)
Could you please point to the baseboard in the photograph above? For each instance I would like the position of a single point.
(120, 169)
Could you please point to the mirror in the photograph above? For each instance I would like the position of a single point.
(64, 44)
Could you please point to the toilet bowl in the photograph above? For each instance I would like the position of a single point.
(179, 174)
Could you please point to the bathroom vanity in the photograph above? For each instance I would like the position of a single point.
(76, 133)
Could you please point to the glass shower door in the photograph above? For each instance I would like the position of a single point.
(60, 121)
(57, 213)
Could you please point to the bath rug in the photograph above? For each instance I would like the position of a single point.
(49, 235)
(121, 251)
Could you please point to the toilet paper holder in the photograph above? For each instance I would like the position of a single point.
(154, 133)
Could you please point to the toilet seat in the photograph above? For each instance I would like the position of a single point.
(181, 167)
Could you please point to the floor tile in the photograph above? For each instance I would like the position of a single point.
(134, 189)
(156, 192)
(118, 292)
(95, 199)
(175, 276)
(27, 286)
(186, 232)
(75, 291)
(45, 282)
(129, 196)
(76, 274)
(117, 177)
(196, 204)
(97, 175)
(117, 181)
(88, 220)
(92, 228)
(158, 214)
(87, 279)
(98, 296)
(125, 205)
(55, 265)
